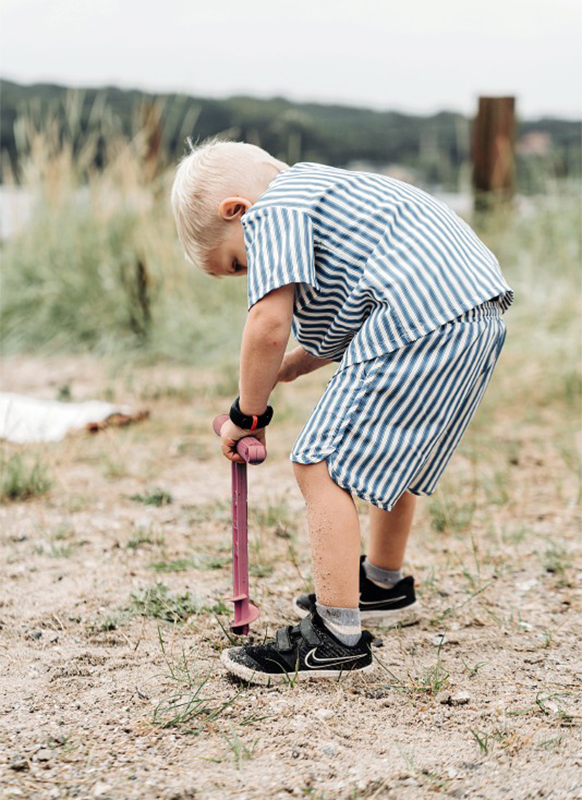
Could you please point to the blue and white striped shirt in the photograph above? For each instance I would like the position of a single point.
(377, 262)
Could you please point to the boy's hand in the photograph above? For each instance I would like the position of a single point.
(289, 369)
(231, 433)
(296, 363)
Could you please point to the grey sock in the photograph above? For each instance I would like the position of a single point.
(344, 623)
(386, 578)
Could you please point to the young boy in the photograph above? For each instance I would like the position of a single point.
(381, 277)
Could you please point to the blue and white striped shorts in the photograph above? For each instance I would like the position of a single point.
(392, 423)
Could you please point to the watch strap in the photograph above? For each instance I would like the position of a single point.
(250, 422)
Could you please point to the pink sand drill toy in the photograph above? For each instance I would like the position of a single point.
(253, 452)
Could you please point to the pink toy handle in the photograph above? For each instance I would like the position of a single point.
(248, 448)
(253, 452)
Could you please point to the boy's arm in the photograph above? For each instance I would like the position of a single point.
(265, 337)
(264, 341)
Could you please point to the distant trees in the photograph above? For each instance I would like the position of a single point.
(434, 148)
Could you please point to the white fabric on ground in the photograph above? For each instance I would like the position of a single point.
(27, 419)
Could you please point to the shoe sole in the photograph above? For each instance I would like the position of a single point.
(386, 618)
(266, 678)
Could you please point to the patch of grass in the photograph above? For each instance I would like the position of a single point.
(449, 516)
(63, 533)
(144, 536)
(496, 487)
(114, 467)
(431, 680)
(556, 560)
(275, 517)
(200, 561)
(157, 602)
(109, 623)
(62, 550)
(153, 497)
(216, 511)
(176, 565)
(22, 477)
(261, 570)
(185, 392)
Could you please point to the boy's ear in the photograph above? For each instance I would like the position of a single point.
(233, 207)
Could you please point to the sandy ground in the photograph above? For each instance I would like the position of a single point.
(102, 698)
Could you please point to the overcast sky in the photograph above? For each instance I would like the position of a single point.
(416, 55)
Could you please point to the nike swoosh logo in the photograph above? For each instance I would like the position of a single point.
(381, 602)
(319, 663)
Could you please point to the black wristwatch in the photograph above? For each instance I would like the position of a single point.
(249, 422)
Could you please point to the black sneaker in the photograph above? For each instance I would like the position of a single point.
(306, 651)
(386, 607)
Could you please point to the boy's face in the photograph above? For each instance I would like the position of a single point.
(230, 257)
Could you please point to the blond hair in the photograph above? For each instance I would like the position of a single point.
(212, 171)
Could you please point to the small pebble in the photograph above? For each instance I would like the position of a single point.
(460, 699)
(324, 713)
(100, 789)
(44, 755)
(18, 764)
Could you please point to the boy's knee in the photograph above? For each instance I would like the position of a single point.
(300, 471)
(306, 474)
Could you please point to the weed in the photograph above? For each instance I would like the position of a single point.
(434, 678)
(240, 750)
(190, 708)
(482, 740)
(22, 478)
(153, 497)
(64, 393)
(550, 744)
(473, 670)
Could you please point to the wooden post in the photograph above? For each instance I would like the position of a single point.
(492, 151)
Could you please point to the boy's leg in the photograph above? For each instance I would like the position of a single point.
(334, 531)
(329, 641)
(389, 531)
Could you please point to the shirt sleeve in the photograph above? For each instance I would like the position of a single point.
(279, 249)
